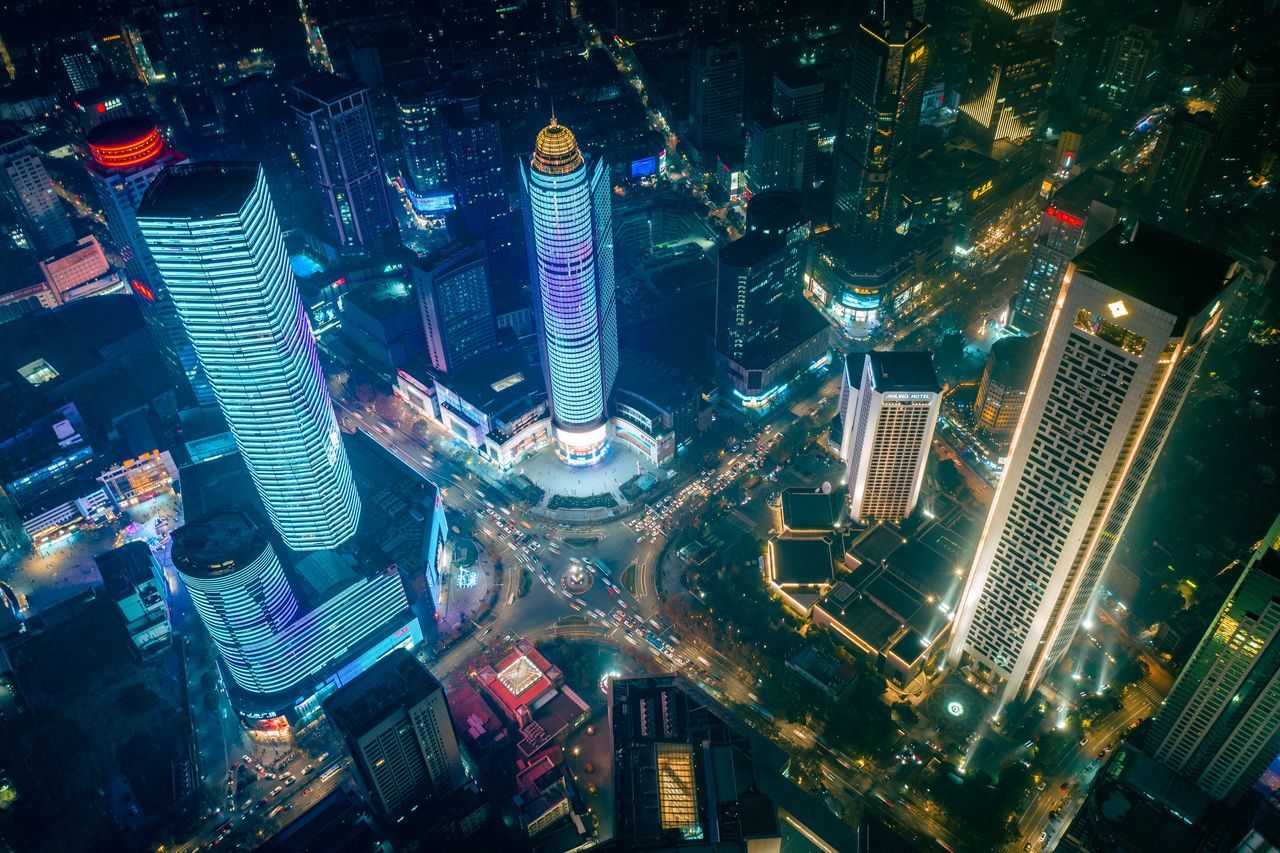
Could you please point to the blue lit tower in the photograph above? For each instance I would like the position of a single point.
(570, 235)
(213, 233)
(239, 588)
(126, 154)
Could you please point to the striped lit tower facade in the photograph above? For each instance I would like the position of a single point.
(125, 155)
(1129, 332)
(213, 233)
(238, 587)
(568, 216)
(282, 659)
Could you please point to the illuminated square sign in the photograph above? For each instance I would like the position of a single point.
(1118, 309)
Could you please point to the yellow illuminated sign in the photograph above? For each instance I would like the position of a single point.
(981, 191)
(917, 53)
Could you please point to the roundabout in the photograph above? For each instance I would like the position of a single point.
(577, 579)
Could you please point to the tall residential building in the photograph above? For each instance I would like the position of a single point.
(125, 156)
(1126, 77)
(335, 117)
(1079, 213)
(473, 164)
(1010, 64)
(1248, 102)
(216, 241)
(190, 62)
(1127, 337)
(27, 190)
(1178, 161)
(775, 154)
(798, 93)
(879, 115)
(569, 219)
(716, 99)
(753, 281)
(1220, 725)
(891, 402)
(1003, 390)
(454, 296)
(418, 108)
(80, 71)
(395, 720)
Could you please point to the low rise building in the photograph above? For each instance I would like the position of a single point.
(497, 406)
(141, 478)
(531, 694)
(131, 578)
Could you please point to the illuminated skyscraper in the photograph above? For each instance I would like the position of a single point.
(1127, 337)
(335, 118)
(891, 402)
(190, 62)
(879, 115)
(798, 93)
(125, 156)
(474, 160)
(1009, 68)
(569, 219)
(452, 286)
(1220, 725)
(213, 233)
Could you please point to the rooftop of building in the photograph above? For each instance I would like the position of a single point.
(555, 152)
(1089, 186)
(337, 822)
(1157, 267)
(804, 560)
(807, 510)
(125, 568)
(750, 249)
(658, 723)
(798, 78)
(776, 211)
(397, 681)
(490, 384)
(897, 371)
(217, 543)
(329, 87)
(1013, 360)
(383, 297)
(199, 191)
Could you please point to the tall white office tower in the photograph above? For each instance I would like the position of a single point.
(1132, 323)
(568, 217)
(890, 406)
(213, 233)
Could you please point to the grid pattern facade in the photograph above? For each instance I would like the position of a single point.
(342, 149)
(887, 446)
(1102, 401)
(457, 308)
(230, 278)
(29, 192)
(1056, 242)
(1220, 724)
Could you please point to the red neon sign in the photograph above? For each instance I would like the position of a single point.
(1061, 216)
(143, 291)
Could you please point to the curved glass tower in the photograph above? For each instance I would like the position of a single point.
(213, 233)
(238, 587)
(568, 217)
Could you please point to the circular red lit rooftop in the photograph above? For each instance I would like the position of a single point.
(125, 142)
